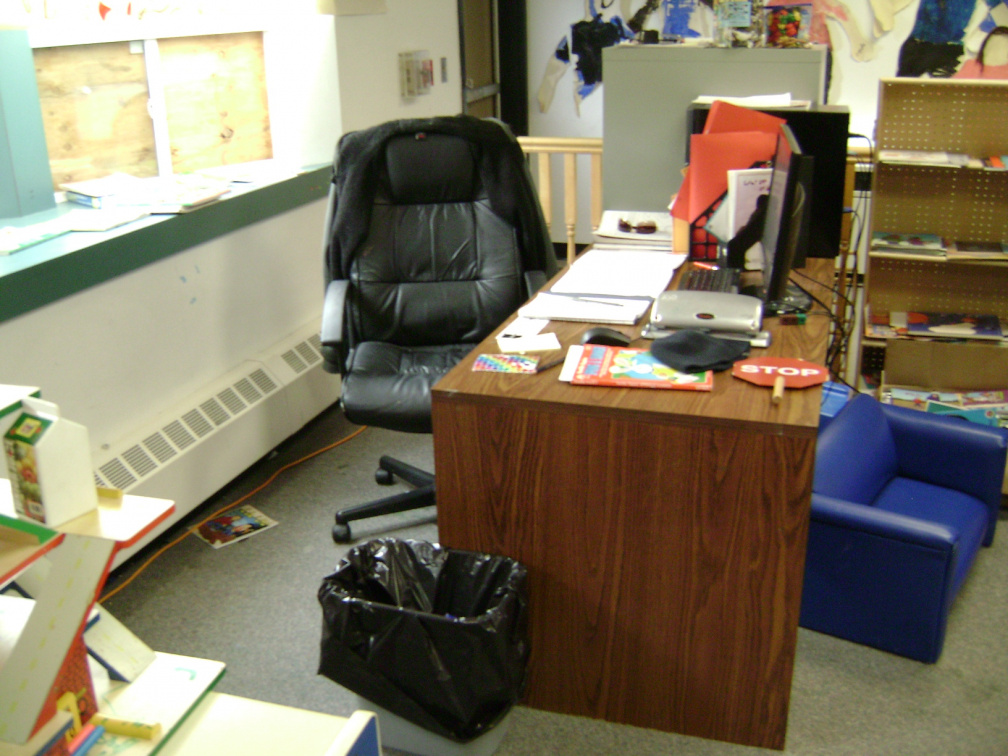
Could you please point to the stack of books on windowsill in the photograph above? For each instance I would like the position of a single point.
(156, 194)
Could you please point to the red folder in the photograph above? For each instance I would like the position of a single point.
(733, 137)
(724, 116)
(713, 155)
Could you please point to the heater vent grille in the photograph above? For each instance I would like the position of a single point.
(139, 461)
(197, 423)
(213, 409)
(175, 437)
(158, 445)
(262, 380)
(231, 400)
(116, 474)
(248, 391)
(294, 362)
(178, 435)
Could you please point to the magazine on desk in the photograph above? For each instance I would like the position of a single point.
(630, 367)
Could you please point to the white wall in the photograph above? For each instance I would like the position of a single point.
(116, 355)
(368, 50)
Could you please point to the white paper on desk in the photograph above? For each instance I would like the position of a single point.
(539, 342)
(782, 100)
(622, 273)
(596, 309)
(522, 327)
(571, 362)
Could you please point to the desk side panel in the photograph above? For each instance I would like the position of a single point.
(665, 560)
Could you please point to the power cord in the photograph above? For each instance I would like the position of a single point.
(225, 508)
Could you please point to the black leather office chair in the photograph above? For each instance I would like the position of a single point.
(434, 237)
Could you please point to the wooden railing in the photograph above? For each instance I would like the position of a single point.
(570, 148)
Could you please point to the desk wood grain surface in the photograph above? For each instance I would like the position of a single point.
(664, 533)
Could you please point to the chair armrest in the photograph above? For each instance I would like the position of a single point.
(878, 578)
(879, 523)
(534, 280)
(950, 452)
(331, 333)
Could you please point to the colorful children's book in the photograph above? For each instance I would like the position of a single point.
(952, 325)
(505, 363)
(234, 525)
(977, 250)
(931, 245)
(634, 368)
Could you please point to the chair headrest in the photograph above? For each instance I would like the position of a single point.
(430, 168)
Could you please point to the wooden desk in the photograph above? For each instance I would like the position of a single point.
(664, 533)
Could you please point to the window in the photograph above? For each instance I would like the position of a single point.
(173, 105)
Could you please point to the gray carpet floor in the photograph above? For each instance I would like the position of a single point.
(253, 605)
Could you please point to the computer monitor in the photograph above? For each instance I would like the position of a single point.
(785, 225)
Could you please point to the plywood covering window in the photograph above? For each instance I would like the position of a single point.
(95, 105)
(215, 96)
(94, 108)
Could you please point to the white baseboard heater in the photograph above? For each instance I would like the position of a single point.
(191, 451)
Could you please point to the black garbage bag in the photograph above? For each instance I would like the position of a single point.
(436, 636)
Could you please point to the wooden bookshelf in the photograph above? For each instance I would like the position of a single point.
(959, 199)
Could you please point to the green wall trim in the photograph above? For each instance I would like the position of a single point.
(47, 272)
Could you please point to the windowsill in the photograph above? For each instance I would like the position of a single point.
(57, 268)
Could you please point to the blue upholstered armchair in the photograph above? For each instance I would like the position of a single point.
(902, 501)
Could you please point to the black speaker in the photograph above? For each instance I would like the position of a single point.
(821, 131)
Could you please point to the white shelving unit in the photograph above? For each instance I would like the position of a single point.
(46, 689)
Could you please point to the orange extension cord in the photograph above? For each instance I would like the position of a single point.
(225, 508)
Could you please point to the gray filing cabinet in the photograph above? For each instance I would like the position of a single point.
(648, 89)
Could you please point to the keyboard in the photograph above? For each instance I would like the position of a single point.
(711, 279)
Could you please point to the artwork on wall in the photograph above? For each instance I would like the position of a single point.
(869, 40)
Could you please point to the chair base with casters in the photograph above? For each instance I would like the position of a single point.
(388, 470)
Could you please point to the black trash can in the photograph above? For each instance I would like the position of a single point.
(436, 636)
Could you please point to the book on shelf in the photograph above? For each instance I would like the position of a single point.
(963, 249)
(631, 367)
(911, 245)
(939, 158)
(946, 325)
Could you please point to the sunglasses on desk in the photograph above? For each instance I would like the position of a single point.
(643, 227)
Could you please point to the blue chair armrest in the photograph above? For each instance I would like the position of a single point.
(876, 522)
(952, 453)
(878, 578)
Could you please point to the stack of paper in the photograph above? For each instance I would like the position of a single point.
(606, 286)
(621, 229)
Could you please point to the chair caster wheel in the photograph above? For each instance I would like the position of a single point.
(383, 477)
(341, 533)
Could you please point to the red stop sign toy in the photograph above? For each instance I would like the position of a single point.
(781, 373)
